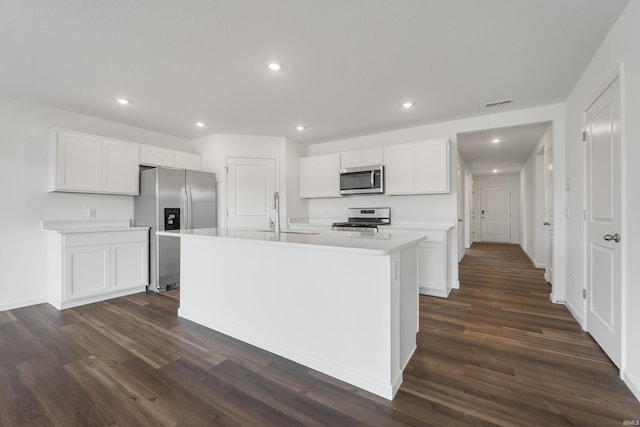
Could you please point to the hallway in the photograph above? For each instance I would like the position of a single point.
(500, 351)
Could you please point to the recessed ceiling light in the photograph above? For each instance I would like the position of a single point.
(123, 101)
(300, 128)
(274, 66)
(407, 104)
(495, 140)
(495, 171)
(200, 124)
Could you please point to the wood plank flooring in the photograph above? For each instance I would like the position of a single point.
(496, 352)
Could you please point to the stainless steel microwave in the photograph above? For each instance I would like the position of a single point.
(362, 180)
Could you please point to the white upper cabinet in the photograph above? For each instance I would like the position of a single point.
(157, 156)
(320, 176)
(187, 160)
(77, 162)
(120, 166)
(354, 159)
(417, 168)
(432, 166)
(91, 164)
(399, 171)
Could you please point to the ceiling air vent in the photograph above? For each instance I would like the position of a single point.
(496, 103)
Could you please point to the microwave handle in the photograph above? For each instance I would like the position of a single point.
(373, 178)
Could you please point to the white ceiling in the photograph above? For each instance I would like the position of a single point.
(483, 156)
(347, 65)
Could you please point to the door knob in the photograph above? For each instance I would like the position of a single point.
(614, 237)
(546, 223)
(459, 220)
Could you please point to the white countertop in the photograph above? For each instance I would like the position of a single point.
(89, 226)
(365, 243)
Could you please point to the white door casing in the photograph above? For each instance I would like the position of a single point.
(495, 214)
(603, 221)
(251, 183)
(548, 167)
(461, 214)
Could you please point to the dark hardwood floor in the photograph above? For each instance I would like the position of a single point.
(497, 352)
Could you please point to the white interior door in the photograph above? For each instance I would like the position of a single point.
(495, 214)
(548, 161)
(250, 186)
(603, 227)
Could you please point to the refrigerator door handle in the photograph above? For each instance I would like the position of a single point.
(183, 208)
(189, 208)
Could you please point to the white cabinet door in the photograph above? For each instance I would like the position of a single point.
(187, 160)
(86, 271)
(129, 265)
(120, 166)
(330, 175)
(156, 156)
(399, 169)
(78, 162)
(351, 159)
(432, 166)
(431, 269)
(320, 176)
(354, 159)
(372, 156)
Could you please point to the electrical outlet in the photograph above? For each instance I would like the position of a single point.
(91, 213)
(420, 212)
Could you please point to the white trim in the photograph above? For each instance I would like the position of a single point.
(22, 303)
(535, 264)
(574, 313)
(434, 292)
(97, 298)
(631, 382)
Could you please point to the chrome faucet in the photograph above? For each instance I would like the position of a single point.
(276, 207)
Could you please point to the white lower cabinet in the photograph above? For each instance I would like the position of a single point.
(90, 267)
(432, 262)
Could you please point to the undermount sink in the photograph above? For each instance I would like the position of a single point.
(289, 231)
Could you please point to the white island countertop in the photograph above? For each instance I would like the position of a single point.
(366, 243)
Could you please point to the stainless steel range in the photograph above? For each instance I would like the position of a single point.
(364, 219)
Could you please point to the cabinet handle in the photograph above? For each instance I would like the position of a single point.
(546, 223)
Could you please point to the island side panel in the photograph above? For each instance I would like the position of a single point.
(409, 304)
(330, 311)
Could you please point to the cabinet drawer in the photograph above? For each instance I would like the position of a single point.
(103, 238)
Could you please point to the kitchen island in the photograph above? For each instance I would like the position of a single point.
(342, 303)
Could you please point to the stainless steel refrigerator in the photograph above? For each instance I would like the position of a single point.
(172, 199)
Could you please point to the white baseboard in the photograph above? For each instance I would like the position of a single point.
(631, 382)
(22, 303)
(533, 261)
(434, 292)
(575, 314)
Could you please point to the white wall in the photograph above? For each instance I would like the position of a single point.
(532, 200)
(619, 51)
(509, 180)
(25, 202)
(217, 147)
